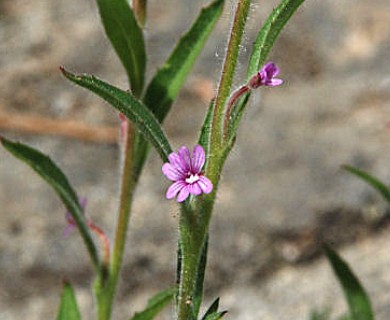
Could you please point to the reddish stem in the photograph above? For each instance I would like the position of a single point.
(232, 101)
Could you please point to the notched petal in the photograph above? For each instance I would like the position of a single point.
(185, 158)
(174, 189)
(198, 159)
(171, 172)
(205, 184)
(194, 189)
(275, 82)
(183, 194)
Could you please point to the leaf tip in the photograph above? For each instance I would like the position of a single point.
(64, 72)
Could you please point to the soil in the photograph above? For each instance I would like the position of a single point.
(283, 192)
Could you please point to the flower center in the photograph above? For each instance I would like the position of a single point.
(192, 178)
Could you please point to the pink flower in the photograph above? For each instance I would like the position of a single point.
(185, 171)
(266, 77)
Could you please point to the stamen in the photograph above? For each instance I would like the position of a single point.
(192, 178)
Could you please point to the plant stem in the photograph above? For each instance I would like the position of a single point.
(105, 289)
(193, 228)
(194, 223)
(126, 196)
(191, 245)
(229, 67)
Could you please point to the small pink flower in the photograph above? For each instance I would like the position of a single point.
(185, 171)
(266, 77)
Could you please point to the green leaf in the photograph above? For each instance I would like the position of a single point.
(68, 306)
(50, 172)
(269, 33)
(212, 309)
(205, 132)
(166, 84)
(169, 79)
(216, 315)
(371, 180)
(132, 108)
(127, 39)
(358, 301)
(156, 304)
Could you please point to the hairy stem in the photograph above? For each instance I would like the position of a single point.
(228, 70)
(194, 223)
(191, 244)
(106, 291)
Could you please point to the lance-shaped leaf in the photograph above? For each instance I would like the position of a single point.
(132, 108)
(156, 304)
(68, 307)
(169, 79)
(166, 84)
(358, 301)
(216, 315)
(50, 172)
(212, 309)
(127, 39)
(269, 33)
(371, 180)
(205, 132)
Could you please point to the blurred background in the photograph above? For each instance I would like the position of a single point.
(282, 194)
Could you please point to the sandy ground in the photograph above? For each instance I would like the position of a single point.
(282, 192)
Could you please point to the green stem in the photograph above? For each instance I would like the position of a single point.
(229, 67)
(195, 220)
(191, 244)
(194, 223)
(105, 288)
(127, 188)
(105, 291)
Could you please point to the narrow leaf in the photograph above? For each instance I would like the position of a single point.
(50, 172)
(358, 301)
(68, 306)
(269, 33)
(166, 84)
(212, 309)
(216, 315)
(371, 180)
(127, 39)
(156, 304)
(132, 108)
